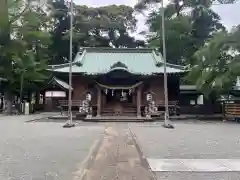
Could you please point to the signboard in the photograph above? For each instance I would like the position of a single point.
(55, 94)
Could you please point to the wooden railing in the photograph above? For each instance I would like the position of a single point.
(172, 105)
(232, 109)
(64, 103)
(75, 103)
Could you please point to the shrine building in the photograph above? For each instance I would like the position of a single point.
(115, 82)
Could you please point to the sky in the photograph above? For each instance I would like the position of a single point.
(230, 13)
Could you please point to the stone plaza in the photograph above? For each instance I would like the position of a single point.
(42, 150)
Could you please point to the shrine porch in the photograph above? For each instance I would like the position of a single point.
(182, 117)
(80, 117)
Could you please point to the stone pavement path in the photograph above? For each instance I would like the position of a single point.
(118, 158)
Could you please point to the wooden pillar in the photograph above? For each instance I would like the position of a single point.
(139, 98)
(99, 98)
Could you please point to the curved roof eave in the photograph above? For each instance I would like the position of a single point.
(159, 60)
(77, 61)
(60, 83)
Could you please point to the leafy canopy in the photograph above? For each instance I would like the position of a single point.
(22, 43)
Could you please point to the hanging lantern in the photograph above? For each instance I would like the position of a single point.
(88, 97)
(112, 92)
(149, 97)
(124, 96)
(133, 90)
(129, 91)
(106, 91)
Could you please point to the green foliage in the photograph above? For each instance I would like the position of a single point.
(106, 26)
(26, 65)
(195, 37)
(178, 36)
(23, 43)
(181, 4)
(216, 64)
(185, 32)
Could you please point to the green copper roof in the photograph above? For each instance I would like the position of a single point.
(103, 60)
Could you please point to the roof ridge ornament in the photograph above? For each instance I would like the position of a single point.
(156, 50)
(81, 49)
(119, 64)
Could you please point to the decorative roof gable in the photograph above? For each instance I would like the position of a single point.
(119, 65)
(58, 82)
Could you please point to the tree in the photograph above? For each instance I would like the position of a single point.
(34, 31)
(17, 55)
(189, 24)
(60, 20)
(107, 26)
(179, 5)
(217, 64)
(205, 22)
(178, 36)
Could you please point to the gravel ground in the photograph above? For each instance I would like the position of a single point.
(46, 151)
(189, 140)
(43, 151)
